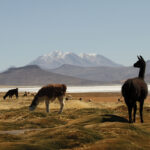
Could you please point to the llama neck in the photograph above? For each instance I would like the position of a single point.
(142, 72)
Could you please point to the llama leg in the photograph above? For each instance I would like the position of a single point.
(141, 111)
(130, 113)
(135, 108)
(47, 105)
(61, 104)
(17, 96)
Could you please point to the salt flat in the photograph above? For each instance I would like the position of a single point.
(73, 89)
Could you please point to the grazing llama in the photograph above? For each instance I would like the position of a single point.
(11, 92)
(25, 94)
(134, 90)
(49, 93)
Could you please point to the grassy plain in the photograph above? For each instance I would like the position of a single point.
(97, 122)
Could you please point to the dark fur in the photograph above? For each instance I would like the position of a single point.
(51, 92)
(11, 92)
(134, 90)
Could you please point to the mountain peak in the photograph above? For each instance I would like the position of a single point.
(57, 54)
(82, 55)
(57, 58)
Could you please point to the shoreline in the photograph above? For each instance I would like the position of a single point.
(70, 89)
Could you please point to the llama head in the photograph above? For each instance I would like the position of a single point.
(34, 103)
(140, 63)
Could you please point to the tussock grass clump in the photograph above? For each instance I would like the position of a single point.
(83, 125)
(66, 138)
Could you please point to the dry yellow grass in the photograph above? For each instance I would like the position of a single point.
(100, 123)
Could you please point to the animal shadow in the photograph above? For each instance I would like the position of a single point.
(113, 118)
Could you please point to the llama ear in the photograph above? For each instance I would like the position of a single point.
(141, 58)
(138, 57)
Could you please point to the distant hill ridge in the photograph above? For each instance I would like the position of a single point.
(71, 74)
(34, 75)
(105, 74)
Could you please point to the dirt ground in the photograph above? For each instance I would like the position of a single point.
(90, 121)
(101, 97)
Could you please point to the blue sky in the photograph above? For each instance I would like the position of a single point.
(117, 29)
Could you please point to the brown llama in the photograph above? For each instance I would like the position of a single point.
(134, 90)
(49, 93)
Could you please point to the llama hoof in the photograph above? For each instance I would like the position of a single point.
(130, 121)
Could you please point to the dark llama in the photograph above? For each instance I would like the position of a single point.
(11, 92)
(135, 89)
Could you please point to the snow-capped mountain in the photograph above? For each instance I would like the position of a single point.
(57, 58)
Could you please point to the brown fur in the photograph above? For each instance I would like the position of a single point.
(49, 93)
